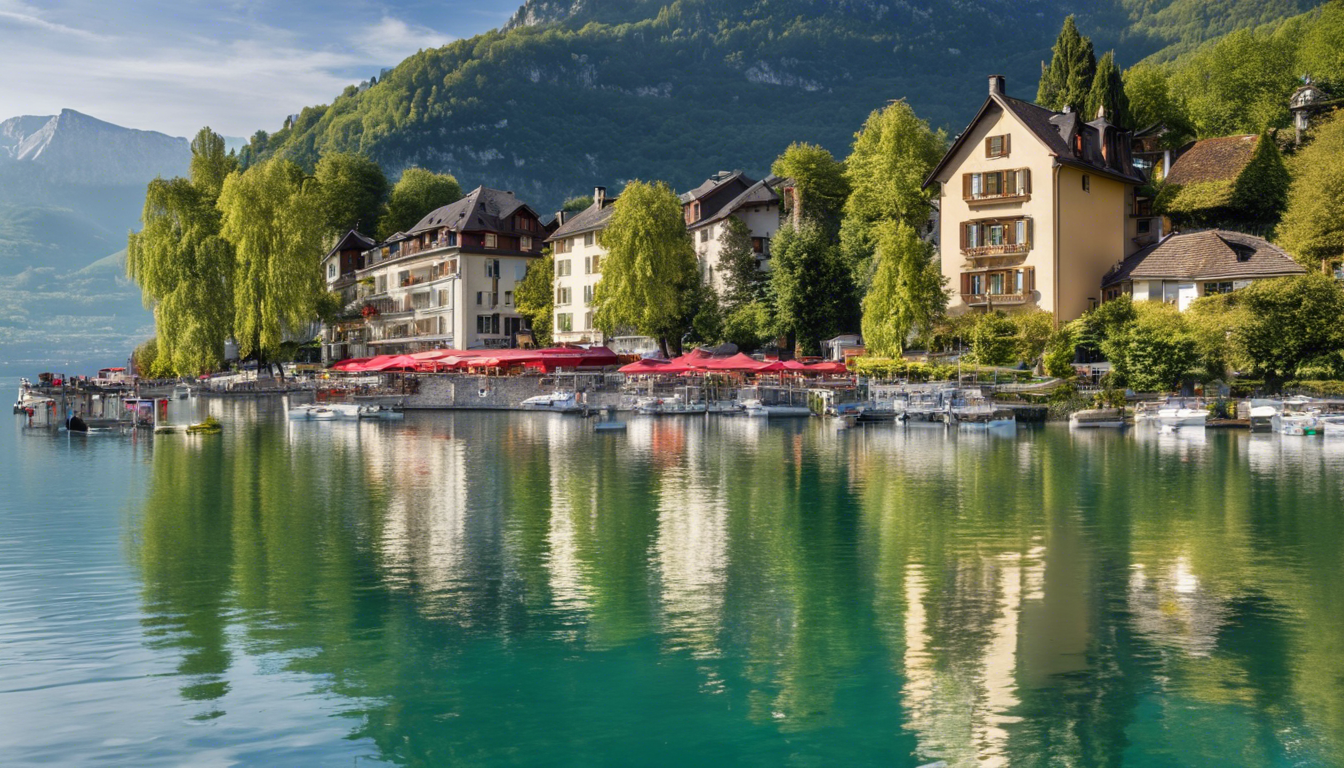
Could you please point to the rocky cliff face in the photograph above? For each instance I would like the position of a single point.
(73, 148)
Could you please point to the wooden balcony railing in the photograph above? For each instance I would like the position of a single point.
(1007, 249)
(997, 197)
(995, 299)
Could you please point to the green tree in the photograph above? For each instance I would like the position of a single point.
(993, 339)
(576, 204)
(649, 268)
(1154, 352)
(1091, 331)
(1287, 323)
(535, 297)
(819, 180)
(892, 155)
(1059, 354)
(743, 280)
(1067, 80)
(351, 188)
(1148, 92)
(272, 216)
(1213, 321)
(415, 194)
(1108, 90)
(1238, 84)
(908, 293)
(749, 326)
(814, 295)
(185, 270)
(1312, 229)
(1033, 331)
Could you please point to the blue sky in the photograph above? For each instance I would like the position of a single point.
(175, 65)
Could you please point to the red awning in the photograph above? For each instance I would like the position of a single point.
(654, 366)
(828, 367)
(350, 364)
(741, 362)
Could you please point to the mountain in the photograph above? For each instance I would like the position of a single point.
(71, 188)
(574, 93)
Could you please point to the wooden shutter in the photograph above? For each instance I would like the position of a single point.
(963, 235)
(1009, 182)
(989, 148)
(1030, 238)
(965, 282)
(966, 186)
(1026, 179)
(1006, 138)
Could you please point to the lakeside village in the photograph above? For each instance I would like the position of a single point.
(1061, 275)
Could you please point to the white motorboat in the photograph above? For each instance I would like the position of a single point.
(1179, 417)
(558, 401)
(980, 417)
(344, 410)
(323, 414)
(1262, 413)
(1332, 426)
(381, 412)
(669, 406)
(1098, 418)
(1296, 424)
(302, 412)
(761, 410)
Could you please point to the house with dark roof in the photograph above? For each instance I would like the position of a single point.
(1236, 180)
(577, 251)
(1035, 206)
(338, 270)
(731, 194)
(449, 281)
(1186, 266)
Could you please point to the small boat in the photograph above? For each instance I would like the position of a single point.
(1098, 418)
(1332, 426)
(761, 410)
(669, 406)
(302, 412)
(385, 413)
(983, 417)
(1262, 413)
(1296, 424)
(558, 401)
(323, 414)
(1181, 416)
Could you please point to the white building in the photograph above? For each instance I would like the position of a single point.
(577, 250)
(731, 195)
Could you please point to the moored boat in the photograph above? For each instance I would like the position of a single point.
(1098, 418)
(1181, 417)
(1332, 426)
(1297, 424)
(558, 401)
(761, 410)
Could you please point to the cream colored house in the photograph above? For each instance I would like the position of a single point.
(449, 282)
(727, 195)
(577, 251)
(1036, 207)
(1186, 266)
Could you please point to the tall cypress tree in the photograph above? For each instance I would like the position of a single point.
(1068, 80)
(1108, 91)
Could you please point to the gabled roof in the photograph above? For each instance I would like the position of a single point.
(1055, 130)
(590, 219)
(712, 183)
(352, 241)
(1211, 254)
(482, 209)
(1220, 159)
(760, 192)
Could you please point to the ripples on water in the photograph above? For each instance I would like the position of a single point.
(513, 589)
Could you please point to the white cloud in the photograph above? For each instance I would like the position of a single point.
(391, 40)
(21, 14)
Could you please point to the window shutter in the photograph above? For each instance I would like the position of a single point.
(1009, 182)
(966, 186)
(989, 148)
(1029, 233)
(963, 235)
(1026, 180)
(965, 283)
(1031, 279)
(1007, 142)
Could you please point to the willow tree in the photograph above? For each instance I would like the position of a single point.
(892, 156)
(908, 292)
(272, 215)
(182, 265)
(650, 267)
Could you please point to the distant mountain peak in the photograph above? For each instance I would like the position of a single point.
(75, 148)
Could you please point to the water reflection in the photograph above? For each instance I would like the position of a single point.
(508, 587)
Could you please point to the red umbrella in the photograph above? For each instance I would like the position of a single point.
(741, 362)
(828, 367)
(350, 364)
(653, 365)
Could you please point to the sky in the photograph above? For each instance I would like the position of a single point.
(237, 66)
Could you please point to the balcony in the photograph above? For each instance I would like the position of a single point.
(1006, 249)
(995, 299)
(988, 198)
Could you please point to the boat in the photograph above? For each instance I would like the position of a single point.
(1098, 418)
(386, 413)
(761, 410)
(558, 401)
(1178, 417)
(1332, 426)
(181, 392)
(302, 412)
(1262, 413)
(344, 410)
(323, 414)
(669, 406)
(983, 417)
(1296, 424)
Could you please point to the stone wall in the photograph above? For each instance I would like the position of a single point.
(506, 392)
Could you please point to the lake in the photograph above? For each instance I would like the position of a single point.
(512, 589)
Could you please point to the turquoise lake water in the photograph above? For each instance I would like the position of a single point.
(488, 589)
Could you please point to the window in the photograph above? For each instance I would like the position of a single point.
(563, 295)
(1213, 289)
(519, 272)
(1003, 282)
(508, 298)
(1145, 226)
(588, 265)
(381, 284)
(758, 245)
(996, 146)
(526, 243)
(1087, 183)
(1338, 271)
(588, 238)
(331, 270)
(704, 235)
(588, 321)
(597, 263)
(562, 268)
(523, 223)
(480, 298)
(490, 267)
(996, 184)
(563, 246)
(491, 240)
(695, 211)
(452, 238)
(588, 294)
(564, 321)
(999, 236)
(445, 299)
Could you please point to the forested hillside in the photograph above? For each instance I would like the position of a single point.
(571, 94)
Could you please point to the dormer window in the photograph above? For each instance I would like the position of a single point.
(491, 240)
(695, 211)
(996, 146)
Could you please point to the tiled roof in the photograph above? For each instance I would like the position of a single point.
(352, 241)
(482, 209)
(758, 193)
(709, 185)
(1211, 254)
(590, 219)
(1220, 159)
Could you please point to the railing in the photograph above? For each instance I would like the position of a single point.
(977, 299)
(1007, 249)
(997, 197)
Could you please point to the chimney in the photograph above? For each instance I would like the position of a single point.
(600, 196)
(996, 85)
(560, 216)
